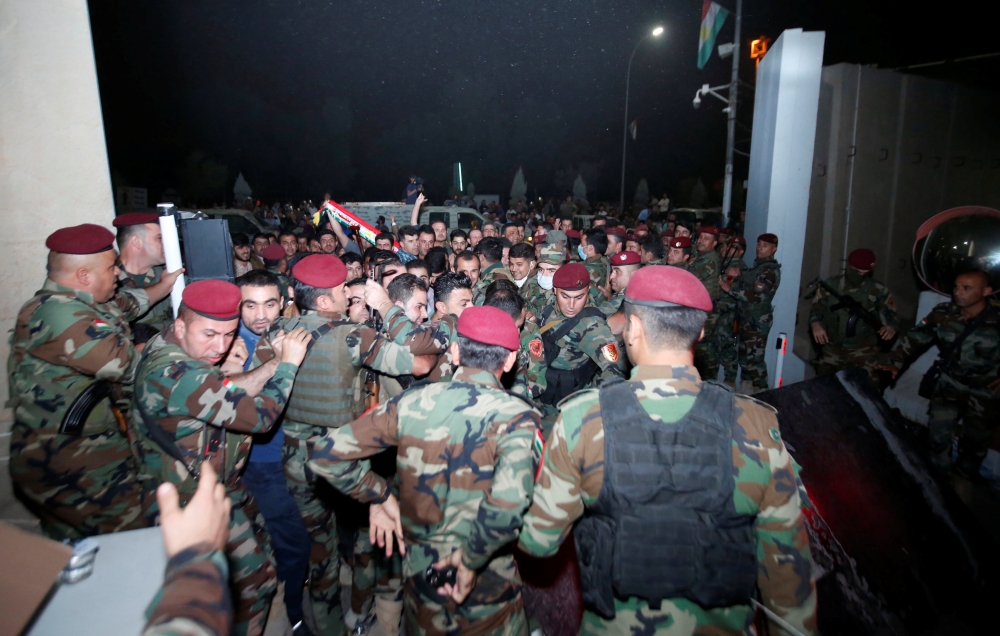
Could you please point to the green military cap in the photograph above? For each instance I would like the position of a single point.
(553, 254)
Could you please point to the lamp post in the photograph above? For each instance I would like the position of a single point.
(628, 74)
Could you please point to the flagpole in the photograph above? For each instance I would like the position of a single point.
(628, 74)
(727, 193)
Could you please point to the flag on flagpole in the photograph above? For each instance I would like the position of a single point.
(712, 18)
(633, 128)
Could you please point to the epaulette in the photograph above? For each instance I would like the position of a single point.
(572, 396)
(753, 399)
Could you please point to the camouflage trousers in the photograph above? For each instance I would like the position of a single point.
(318, 514)
(252, 571)
(753, 344)
(836, 356)
(706, 352)
(426, 616)
(675, 617)
(374, 574)
(979, 413)
(79, 486)
(727, 350)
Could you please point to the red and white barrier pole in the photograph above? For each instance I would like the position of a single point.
(781, 344)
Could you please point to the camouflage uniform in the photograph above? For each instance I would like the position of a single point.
(609, 306)
(467, 457)
(186, 412)
(496, 271)
(533, 295)
(159, 315)
(598, 267)
(962, 390)
(706, 355)
(753, 292)
(328, 394)
(529, 381)
(79, 485)
(590, 342)
(726, 341)
(765, 486)
(862, 348)
(194, 599)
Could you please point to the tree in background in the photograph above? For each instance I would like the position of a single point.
(519, 188)
(470, 190)
(580, 193)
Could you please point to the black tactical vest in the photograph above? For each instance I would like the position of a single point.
(665, 524)
(562, 382)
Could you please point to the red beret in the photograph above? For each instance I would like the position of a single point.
(323, 271)
(273, 252)
(680, 242)
(215, 299)
(625, 258)
(768, 238)
(665, 286)
(742, 242)
(862, 258)
(572, 276)
(631, 237)
(572, 233)
(727, 231)
(81, 239)
(667, 234)
(641, 228)
(136, 218)
(709, 229)
(491, 326)
(618, 229)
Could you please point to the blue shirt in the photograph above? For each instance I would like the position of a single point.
(404, 256)
(266, 446)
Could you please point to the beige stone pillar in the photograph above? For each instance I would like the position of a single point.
(53, 159)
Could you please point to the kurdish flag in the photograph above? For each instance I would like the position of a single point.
(712, 18)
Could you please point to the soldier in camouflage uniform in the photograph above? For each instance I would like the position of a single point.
(187, 412)
(679, 252)
(73, 333)
(593, 244)
(194, 599)
(623, 266)
(753, 292)
(537, 292)
(274, 262)
(140, 261)
(968, 388)
(726, 328)
(462, 511)
(706, 267)
(847, 340)
(689, 547)
(579, 347)
(328, 394)
(527, 378)
(490, 252)
(652, 252)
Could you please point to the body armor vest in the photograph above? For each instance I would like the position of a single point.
(665, 524)
(325, 392)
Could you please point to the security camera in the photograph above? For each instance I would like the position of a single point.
(697, 100)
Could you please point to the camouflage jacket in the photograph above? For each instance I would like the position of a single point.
(590, 338)
(533, 295)
(765, 484)
(706, 268)
(201, 412)
(194, 599)
(598, 267)
(975, 365)
(754, 290)
(158, 315)
(62, 342)
(466, 461)
(529, 379)
(496, 271)
(609, 306)
(873, 296)
(445, 332)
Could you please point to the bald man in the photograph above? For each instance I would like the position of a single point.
(75, 471)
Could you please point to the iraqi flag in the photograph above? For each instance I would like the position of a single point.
(712, 18)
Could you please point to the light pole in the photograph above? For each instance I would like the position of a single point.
(628, 74)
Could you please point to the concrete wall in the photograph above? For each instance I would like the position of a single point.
(892, 150)
(53, 159)
(784, 125)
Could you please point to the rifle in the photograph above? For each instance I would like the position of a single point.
(78, 412)
(854, 308)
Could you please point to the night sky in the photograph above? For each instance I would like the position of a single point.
(352, 97)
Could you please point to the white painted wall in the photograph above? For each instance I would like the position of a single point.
(53, 158)
(781, 155)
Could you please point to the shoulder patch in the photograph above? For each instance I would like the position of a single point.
(536, 347)
(610, 352)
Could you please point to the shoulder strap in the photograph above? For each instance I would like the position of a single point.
(969, 328)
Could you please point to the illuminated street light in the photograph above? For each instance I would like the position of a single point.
(653, 34)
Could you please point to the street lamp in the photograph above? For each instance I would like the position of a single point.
(654, 33)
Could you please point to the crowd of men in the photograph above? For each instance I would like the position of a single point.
(393, 424)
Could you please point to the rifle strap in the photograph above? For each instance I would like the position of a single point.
(975, 323)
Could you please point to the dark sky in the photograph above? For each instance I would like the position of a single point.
(353, 96)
